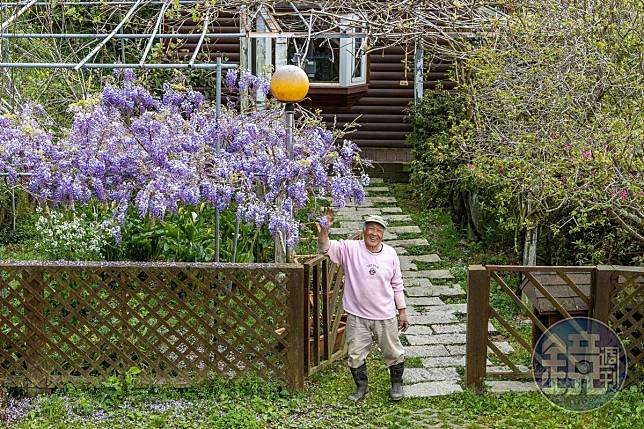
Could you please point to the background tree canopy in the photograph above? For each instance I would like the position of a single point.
(554, 130)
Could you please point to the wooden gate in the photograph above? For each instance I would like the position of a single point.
(612, 294)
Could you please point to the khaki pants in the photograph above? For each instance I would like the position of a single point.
(359, 339)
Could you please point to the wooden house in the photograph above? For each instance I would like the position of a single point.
(373, 91)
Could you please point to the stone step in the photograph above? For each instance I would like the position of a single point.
(433, 350)
(425, 301)
(439, 291)
(446, 339)
(459, 349)
(408, 242)
(416, 282)
(429, 274)
(408, 266)
(372, 189)
(400, 250)
(432, 388)
(443, 361)
(373, 180)
(419, 375)
(423, 258)
(457, 328)
(432, 318)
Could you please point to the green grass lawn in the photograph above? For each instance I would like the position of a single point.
(252, 403)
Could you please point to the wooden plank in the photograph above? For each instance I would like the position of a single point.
(299, 330)
(510, 329)
(538, 268)
(478, 295)
(502, 357)
(326, 318)
(602, 286)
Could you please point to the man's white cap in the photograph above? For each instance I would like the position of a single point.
(376, 219)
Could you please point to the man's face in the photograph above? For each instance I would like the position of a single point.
(373, 234)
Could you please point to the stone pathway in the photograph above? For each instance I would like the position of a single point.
(437, 332)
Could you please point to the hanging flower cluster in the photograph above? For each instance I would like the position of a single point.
(127, 147)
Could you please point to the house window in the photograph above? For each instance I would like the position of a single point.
(333, 61)
(322, 63)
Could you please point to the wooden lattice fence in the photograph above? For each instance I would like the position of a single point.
(178, 323)
(611, 294)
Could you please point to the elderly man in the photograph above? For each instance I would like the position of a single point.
(373, 293)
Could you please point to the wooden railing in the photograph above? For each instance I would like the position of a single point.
(611, 294)
(179, 323)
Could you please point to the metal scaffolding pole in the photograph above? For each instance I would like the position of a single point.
(115, 66)
(107, 39)
(118, 36)
(206, 23)
(16, 15)
(154, 32)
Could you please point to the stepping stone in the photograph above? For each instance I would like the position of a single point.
(410, 229)
(443, 361)
(381, 199)
(356, 213)
(426, 351)
(423, 258)
(433, 318)
(409, 242)
(452, 328)
(400, 250)
(429, 274)
(440, 291)
(424, 340)
(425, 301)
(432, 388)
(415, 282)
(365, 203)
(391, 209)
(419, 330)
(459, 308)
(397, 218)
(456, 349)
(419, 375)
(407, 266)
(376, 189)
(373, 180)
(503, 386)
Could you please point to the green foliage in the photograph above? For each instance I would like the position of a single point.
(437, 156)
(70, 236)
(189, 236)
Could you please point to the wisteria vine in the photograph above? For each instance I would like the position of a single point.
(127, 147)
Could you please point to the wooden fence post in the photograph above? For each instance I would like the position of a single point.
(601, 288)
(478, 302)
(298, 329)
(34, 313)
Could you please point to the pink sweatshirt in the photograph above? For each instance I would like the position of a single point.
(373, 287)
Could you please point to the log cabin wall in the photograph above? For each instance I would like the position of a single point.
(380, 113)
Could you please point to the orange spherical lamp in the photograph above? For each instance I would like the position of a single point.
(289, 84)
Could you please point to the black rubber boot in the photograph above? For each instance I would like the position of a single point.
(362, 382)
(396, 374)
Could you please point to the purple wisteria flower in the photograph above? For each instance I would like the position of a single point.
(127, 148)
